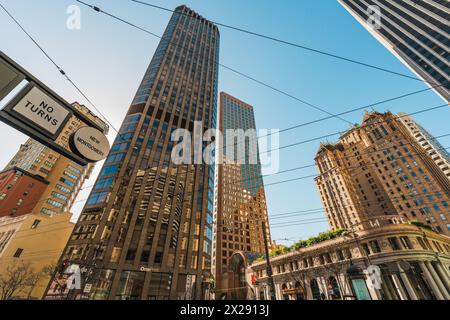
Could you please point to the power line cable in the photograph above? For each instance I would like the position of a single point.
(276, 182)
(289, 43)
(57, 66)
(342, 132)
(359, 205)
(345, 157)
(257, 178)
(288, 223)
(97, 9)
(299, 224)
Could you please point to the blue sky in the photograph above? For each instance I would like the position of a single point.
(107, 60)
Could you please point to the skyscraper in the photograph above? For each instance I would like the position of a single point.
(416, 32)
(432, 146)
(240, 199)
(378, 174)
(146, 229)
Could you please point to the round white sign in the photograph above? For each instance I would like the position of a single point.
(90, 143)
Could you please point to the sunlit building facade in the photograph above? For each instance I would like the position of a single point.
(146, 229)
(379, 174)
(432, 146)
(416, 32)
(241, 206)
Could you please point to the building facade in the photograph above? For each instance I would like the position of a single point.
(37, 189)
(35, 241)
(146, 229)
(416, 32)
(240, 201)
(20, 191)
(432, 146)
(413, 265)
(378, 174)
(65, 177)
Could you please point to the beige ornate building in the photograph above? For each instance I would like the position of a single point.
(378, 174)
(414, 265)
(389, 201)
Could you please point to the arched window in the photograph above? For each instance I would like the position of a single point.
(334, 286)
(262, 294)
(315, 290)
(300, 292)
(283, 288)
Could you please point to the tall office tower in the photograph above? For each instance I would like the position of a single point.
(416, 32)
(432, 146)
(379, 174)
(240, 199)
(146, 229)
(65, 178)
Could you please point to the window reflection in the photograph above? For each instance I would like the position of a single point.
(130, 286)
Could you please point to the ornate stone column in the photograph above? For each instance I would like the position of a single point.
(412, 293)
(438, 280)
(443, 274)
(398, 284)
(431, 281)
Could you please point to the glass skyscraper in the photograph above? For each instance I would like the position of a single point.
(241, 206)
(416, 32)
(146, 229)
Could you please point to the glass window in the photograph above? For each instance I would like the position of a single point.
(394, 243)
(35, 223)
(55, 203)
(70, 175)
(68, 182)
(406, 242)
(130, 286)
(375, 246)
(48, 211)
(102, 284)
(62, 188)
(18, 253)
(97, 197)
(104, 183)
(110, 170)
(73, 169)
(59, 195)
(115, 157)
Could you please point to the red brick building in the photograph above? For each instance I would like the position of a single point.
(19, 192)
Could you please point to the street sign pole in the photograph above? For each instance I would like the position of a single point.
(268, 266)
